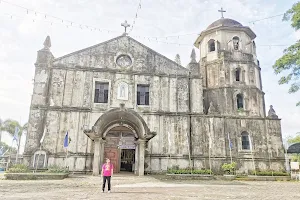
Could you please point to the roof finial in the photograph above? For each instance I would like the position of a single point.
(125, 24)
(222, 11)
(193, 56)
(47, 43)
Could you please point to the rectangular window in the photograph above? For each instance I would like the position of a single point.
(101, 92)
(142, 95)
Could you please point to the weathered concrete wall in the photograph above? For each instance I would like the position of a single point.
(224, 42)
(175, 112)
(224, 100)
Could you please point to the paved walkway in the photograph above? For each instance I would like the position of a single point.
(148, 187)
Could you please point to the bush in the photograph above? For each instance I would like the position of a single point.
(18, 168)
(229, 168)
(269, 173)
(189, 171)
(57, 169)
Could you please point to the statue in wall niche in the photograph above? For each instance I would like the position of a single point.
(212, 109)
(272, 113)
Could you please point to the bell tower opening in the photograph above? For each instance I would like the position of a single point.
(237, 74)
(211, 45)
(240, 101)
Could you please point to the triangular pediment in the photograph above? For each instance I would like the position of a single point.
(122, 53)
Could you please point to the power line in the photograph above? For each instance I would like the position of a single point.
(184, 44)
(13, 16)
(136, 15)
(63, 21)
(252, 22)
(82, 26)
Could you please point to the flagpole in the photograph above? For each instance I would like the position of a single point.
(209, 154)
(230, 155)
(66, 158)
(229, 143)
(251, 148)
(66, 145)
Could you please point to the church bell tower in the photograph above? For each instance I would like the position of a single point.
(230, 70)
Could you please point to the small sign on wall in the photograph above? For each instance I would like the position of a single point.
(123, 146)
(122, 91)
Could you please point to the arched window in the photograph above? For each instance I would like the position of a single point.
(240, 101)
(236, 42)
(245, 141)
(211, 45)
(238, 74)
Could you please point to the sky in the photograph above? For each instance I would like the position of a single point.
(22, 33)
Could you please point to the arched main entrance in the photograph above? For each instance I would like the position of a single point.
(120, 147)
(118, 120)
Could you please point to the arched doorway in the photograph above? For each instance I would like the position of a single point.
(120, 147)
(104, 132)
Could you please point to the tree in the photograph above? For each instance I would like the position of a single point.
(292, 140)
(177, 59)
(4, 147)
(296, 139)
(289, 63)
(10, 126)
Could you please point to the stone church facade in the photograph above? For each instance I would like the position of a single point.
(120, 99)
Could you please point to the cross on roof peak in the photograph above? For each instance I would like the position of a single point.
(126, 25)
(222, 11)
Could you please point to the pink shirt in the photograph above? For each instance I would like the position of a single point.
(107, 168)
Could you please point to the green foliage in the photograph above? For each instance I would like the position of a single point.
(289, 63)
(295, 157)
(293, 14)
(177, 170)
(269, 173)
(7, 147)
(18, 168)
(296, 139)
(229, 168)
(57, 169)
(9, 126)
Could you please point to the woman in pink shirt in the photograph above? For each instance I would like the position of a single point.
(107, 172)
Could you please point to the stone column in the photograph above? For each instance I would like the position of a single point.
(102, 143)
(96, 163)
(141, 155)
(136, 163)
(98, 155)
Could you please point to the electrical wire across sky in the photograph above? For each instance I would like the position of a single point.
(48, 18)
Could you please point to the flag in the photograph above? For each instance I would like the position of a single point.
(16, 137)
(230, 144)
(66, 140)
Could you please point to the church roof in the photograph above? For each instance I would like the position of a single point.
(225, 22)
(173, 65)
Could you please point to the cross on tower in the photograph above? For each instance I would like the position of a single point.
(125, 24)
(222, 11)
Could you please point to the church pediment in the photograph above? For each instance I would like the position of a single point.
(122, 54)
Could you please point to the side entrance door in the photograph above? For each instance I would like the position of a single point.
(113, 155)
